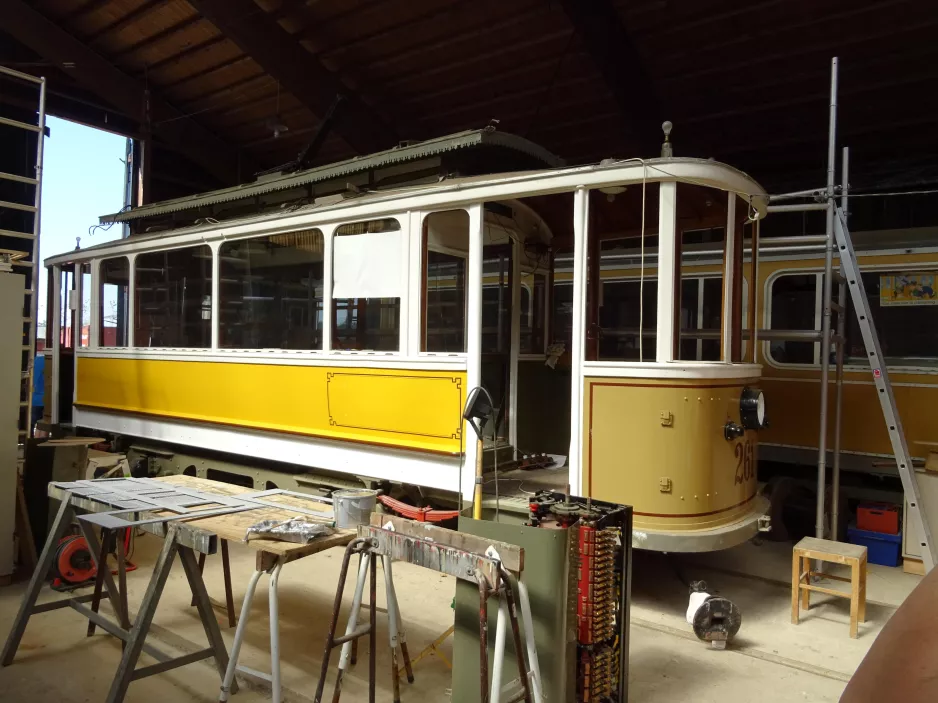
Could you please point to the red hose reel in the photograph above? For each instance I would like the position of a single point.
(74, 565)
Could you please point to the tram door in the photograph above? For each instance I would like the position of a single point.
(444, 309)
(63, 333)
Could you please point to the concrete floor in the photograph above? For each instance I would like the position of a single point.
(771, 659)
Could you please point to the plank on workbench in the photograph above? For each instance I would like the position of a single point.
(234, 526)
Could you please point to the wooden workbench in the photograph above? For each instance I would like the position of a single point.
(233, 527)
(182, 537)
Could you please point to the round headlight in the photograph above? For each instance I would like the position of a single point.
(752, 409)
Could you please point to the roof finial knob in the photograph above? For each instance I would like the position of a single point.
(667, 151)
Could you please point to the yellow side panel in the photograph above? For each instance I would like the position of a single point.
(413, 409)
(793, 409)
(678, 471)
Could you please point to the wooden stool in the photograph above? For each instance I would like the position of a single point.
(836, 553)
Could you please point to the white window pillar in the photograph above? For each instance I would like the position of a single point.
(473, 339)
(94, 313)
(131, 300)
(327, 303)
(216, 288)
(580, 238)
(406, 320)
(515, 345)
(56, 304)
(667, 260)
(417, 263)
(729, 278)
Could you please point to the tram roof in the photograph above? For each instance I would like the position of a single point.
(453, 191)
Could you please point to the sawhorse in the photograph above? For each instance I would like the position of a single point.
(179, 538)
(464, 556)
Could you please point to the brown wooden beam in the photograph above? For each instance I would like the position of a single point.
(119, 90)
(130, 18)
(608, 42)
(158, 37)
(298, 71)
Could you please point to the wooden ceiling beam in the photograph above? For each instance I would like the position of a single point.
(607, 40)
(121, 91)
(209, 43)
(158, 37)
(298, 71)
(130, 18)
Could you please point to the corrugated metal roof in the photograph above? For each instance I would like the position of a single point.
(487, 136)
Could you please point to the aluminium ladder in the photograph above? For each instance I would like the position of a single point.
(20, 200)
(854, 284)
(837, 241)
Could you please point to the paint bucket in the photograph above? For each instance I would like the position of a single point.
(353, 506)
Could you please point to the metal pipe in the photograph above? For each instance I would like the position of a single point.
(805, 207)
(239, 637)
(21, 76)
(839, 377)
(274, 634)
(523, 670)
(754, 292)
(354, 545)
(355, 611)
(392, 628)
(527, 622)
(826, 302)
(483, 636)
(372, 627)
(498, 657)
(813, 193)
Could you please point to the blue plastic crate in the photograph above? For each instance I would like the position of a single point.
(881, 548)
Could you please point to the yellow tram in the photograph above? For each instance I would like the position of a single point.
(335, 342)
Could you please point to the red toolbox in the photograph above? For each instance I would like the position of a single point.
(879, 517)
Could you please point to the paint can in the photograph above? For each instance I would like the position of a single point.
(353, 507)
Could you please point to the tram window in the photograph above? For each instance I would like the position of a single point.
(496, 299)
(367, 284)
(270, 292)
(793, 307)
(533, 312)
(173, 298)
(66, 314)
(84, 312)
(446, 303)
(619, 320)
(904, 309)
(445, 256)
(690, 298)
(561, 320)
(712, 317)
(112, 305)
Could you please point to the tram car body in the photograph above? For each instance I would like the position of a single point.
(335, 343)
(898, 269)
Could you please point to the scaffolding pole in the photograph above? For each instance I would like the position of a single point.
(826, 300)
(841, 341)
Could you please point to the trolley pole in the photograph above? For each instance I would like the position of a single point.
(826, 301)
